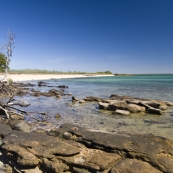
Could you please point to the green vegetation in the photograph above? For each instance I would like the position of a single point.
(104, 72)
(38, 71)
(10, 81)
(117, 74)
(2, 62)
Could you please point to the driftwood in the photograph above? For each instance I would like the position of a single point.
(8, 108)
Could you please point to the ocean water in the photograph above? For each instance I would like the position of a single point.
(88, 115)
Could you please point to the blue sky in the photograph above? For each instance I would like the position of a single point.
(123, 36)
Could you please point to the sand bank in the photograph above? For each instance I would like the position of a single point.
(28, 77)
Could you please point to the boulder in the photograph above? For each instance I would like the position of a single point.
(81, 101)
(163, 107)
(122, 105)
(74, 98)
(133, 166)
(135, 108)
(169, 103)
(103, 105)
(132, 101)
(154, 111)
(22, 156)
(122, 112)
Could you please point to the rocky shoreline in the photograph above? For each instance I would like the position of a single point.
(71, 148)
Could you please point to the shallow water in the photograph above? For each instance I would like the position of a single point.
(88, 114)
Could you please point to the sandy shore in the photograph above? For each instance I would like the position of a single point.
(28, 77)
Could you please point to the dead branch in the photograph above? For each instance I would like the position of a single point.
(5, 111)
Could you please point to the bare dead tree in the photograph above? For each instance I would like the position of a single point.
(8, 50)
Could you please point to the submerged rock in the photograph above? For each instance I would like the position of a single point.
(122, 112)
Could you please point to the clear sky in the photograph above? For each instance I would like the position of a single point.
(123, 36)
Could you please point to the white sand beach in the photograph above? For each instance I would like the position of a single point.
(28, 77)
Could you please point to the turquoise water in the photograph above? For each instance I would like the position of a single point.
(88, 114)
(152, 87)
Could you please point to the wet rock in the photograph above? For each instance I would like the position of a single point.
(135, 108)
(57, 116)
(58, 96)
(154, 111)
(74, 98)
(122, 112)
(81, 101)
(133, 166)
(103, 105)
(92, 98)
(69, 94)
(122, 105)
(62, 86)
(42, 84)
(53, 92)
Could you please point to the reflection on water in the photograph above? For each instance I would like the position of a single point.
(88, 114)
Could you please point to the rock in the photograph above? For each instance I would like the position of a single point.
(122, 112)
(156, 151)
(39, 144)
(16, 116)
(58, 96)
(69, 94)
(55, 166)
(34, 170)
(42, 84)
(103, 105)
(20, 125)
(4, 168)
(122, 105)
(53, 92)
(169, 103)
(67, 135)
(120, 98)
(163, 107)
(74, 98)
(22, 156)
(81, 101)
(57, 116)
(133, 166)
(153, 104)
(135, 108)
(62, 86)
(132, 101)
(92, 98)
(53, 132)
(4, 130)
(154, 111)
